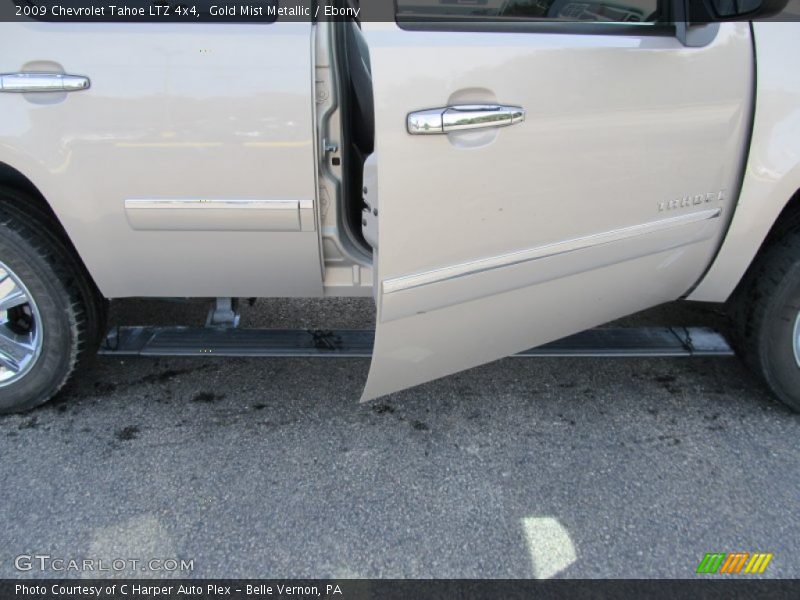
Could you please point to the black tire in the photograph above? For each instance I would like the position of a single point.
(766, 309)
(69, 309)
(19, 206)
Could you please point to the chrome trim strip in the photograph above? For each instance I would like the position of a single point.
(42, 82)
(462, 117)
(212, 203)
(219, 214)
(408, 282)
(425, 122)
(479, 116)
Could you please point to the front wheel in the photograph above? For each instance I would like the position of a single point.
(46, 315)
(768, 318)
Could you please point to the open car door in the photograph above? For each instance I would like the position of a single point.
(537, 181)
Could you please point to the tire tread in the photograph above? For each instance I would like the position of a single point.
(39, 239)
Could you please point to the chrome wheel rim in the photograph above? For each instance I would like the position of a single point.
(20, 328)
(796, 338)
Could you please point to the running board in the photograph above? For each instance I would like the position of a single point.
(189, 341)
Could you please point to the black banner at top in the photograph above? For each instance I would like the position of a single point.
(628, 12)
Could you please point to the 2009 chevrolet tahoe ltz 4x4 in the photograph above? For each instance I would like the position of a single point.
(497, 174)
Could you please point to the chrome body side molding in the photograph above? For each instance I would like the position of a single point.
(458, 284)
(408, 282)
(219, 214)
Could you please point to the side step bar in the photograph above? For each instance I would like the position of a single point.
(190, 341)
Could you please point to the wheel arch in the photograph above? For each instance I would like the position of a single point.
(752, 231)
(770, 193)
(787, 221)
(38, 208)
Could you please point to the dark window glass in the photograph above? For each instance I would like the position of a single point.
(727, 8)
(616, 11)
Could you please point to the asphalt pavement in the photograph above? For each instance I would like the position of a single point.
(521, 468)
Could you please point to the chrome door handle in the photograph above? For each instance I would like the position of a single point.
(463, 117)
(42, 82)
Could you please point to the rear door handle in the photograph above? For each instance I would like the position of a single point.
(463, 117)
(42, 82)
